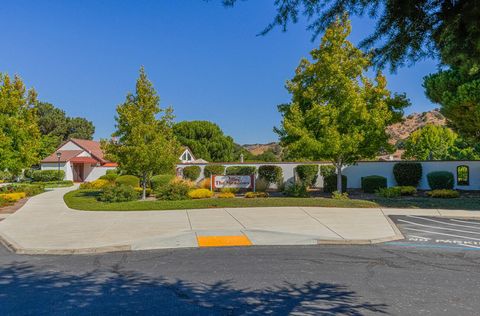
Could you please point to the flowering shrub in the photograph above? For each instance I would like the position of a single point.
(13, 197)
(200, 194)
(226, 195)
(252, 195)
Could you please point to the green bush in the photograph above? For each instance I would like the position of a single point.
(27, 173)
(438, 180)
(330, 183)
(270, 173)
(340, 196)
(5, 176)
(191, 172)
(307, 174)
(112, 171)
(29, 189)
(408, 173)
(296, 190)
(175, 190)
(444, 194)
(129, 180)
(230, 190)
(261, 185)
(327, 170)
(139, 190)
(213, 170)
(408, 190)
(240, 170)
(109, 177)
(118, 193)
(389, 192)
(158, 181)
(253, 195)
(48, 175)
(370, 184)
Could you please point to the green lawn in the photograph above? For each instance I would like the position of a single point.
(86, 200)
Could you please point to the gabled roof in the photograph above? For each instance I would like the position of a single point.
(90, 146)
(65, 156)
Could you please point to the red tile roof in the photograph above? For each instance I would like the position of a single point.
(66, 155)
(90, 146)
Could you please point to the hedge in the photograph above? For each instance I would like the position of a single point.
(129, 180)
(370, 184)
(307, 174)
(330, 183)
(327, 170)
(191, 172)
(48, 175)
(408, 173)
(270, 173)
(158, 181)
(213, 170)
(439, 180)
(240, 170)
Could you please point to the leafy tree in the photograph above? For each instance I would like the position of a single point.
(143, 143)
(406, 30)
(79, 127)
(19, 134)
(336, 113)
(433, 142)
(205, 139)
(430, 142)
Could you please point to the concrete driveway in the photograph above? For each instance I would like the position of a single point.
(46, 225)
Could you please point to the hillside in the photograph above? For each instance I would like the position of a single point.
(397, 132)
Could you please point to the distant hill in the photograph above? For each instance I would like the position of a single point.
(398, 132)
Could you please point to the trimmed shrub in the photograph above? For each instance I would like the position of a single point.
(160, 180)
(200, 194)
(307, 174)
(129, 180)
(370, 184)
(438, 180)
(96, 184)
(27, 173)
(29, 189)
(296, 190)
(408, 190)
(261, 185)
(175, 190)
(270, 173)
(240, 170)
(191, 172)
(118, 193)
(229, 190)
(330, 183)
(112, 171)
(389, 192)
(408, 173)
(340, 196)
(111, 177)
(48, 175)
(139, 190)
(327, 170)
(444, 194)
(213, 170)
(226, 195)
(13, 197)
(252, 195)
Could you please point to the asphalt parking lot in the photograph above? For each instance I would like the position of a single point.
(438, 232)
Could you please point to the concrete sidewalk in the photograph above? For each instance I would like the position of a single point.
(46, 225)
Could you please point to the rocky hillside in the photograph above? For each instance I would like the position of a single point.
(398, 131)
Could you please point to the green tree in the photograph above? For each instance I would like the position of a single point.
(143, 143)
(205, 139)
(405, 30)
(79, 127)
(430, 142)
(19, 134)
(336, 113)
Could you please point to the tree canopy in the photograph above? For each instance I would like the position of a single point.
(143, 143)
(205, 139)
(336, 112)
(19, 133)
(405, 31)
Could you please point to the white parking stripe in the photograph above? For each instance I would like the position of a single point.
(426, 231)
(437, 227)
(457, 220)
(437, 221)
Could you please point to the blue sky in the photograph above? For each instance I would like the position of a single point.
(204, 60)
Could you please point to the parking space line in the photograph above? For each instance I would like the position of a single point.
(441, 222)
(460, 221)
(426, 231)
(437, 227)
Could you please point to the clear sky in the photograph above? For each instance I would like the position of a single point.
(204, 60)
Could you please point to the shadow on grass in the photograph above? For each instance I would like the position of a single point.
(26, 290)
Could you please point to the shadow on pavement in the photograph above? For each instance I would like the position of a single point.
(26, 290)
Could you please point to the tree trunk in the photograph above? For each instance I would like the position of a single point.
(339, 177)
(144, 187)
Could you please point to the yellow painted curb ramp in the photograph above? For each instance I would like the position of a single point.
(223, 241)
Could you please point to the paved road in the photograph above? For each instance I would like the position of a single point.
(436, 232)
(309, 280)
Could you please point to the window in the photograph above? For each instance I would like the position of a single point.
(463, 175)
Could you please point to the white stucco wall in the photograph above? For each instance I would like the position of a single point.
(355, 172)
(93, 173)
(66, 167)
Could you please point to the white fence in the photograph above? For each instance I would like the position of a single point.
(355, 172)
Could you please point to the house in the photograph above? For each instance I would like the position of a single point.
(82, 160)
